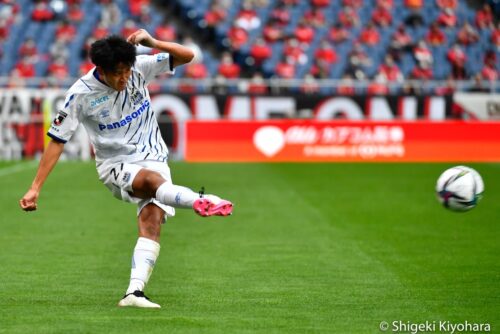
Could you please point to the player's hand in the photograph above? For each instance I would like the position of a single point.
(142, 37)
(28, 202)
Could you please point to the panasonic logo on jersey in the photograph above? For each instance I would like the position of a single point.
(125, 120)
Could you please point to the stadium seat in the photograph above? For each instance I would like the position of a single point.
(192, 14)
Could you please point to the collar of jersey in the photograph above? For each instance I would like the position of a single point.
(97, 80)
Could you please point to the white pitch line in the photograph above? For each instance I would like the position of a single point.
(18, 168)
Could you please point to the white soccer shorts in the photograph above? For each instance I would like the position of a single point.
(118, 178)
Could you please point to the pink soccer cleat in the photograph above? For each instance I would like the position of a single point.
(211, 205)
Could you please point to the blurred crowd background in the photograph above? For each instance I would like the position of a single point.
(340, 47)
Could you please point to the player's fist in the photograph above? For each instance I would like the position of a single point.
(142, 37)
(28, 202)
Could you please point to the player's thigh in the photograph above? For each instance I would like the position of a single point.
(160, 168)
(119, 177)
(150, 178)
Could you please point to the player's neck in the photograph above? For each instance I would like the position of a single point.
(98, 77)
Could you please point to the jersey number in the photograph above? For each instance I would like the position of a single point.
(114, 173)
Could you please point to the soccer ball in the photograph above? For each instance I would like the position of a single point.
(459, 188)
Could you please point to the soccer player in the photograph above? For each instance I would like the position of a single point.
(113, 104)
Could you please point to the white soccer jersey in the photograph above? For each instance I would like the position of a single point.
(121, 125)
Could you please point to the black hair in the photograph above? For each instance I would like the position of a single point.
(108, 52)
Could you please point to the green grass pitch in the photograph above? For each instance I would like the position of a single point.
(311, 248)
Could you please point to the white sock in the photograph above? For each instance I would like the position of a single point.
(146, 252)
(176, 196)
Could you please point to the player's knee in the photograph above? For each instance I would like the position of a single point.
(153, 180)
(146, 183)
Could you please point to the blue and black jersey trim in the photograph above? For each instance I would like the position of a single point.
(56, 138)
(69, 100)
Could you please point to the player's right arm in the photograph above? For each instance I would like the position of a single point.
(49, 159)
(61, 130)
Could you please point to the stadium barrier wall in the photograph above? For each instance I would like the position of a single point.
(327, 141)
(26, 114)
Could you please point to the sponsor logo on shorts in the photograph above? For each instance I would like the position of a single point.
(126, 177)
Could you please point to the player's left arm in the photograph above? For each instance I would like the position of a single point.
(180, 53)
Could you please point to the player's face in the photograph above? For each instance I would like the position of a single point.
(118, 78)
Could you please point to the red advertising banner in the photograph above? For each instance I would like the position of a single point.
(364, 141)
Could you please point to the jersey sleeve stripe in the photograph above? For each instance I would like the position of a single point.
(57, 139)
(69, 100)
